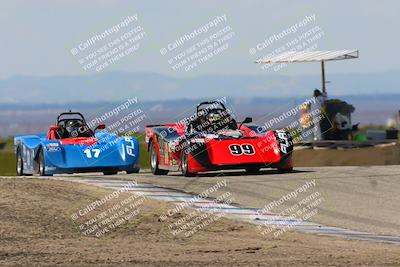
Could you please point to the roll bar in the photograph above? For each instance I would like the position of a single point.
(70, 113)
(210, 103)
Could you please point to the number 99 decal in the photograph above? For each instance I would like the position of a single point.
(237, 150)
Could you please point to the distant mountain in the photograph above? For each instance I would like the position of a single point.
(29, 104)
(30, 118)
(114, 86)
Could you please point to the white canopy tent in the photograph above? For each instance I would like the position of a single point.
(311, 56)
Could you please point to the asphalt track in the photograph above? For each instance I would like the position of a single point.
(364, 199)
(357, 198)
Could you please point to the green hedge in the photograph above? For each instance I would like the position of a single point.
(7, 163)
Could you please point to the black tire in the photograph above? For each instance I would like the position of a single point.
(41, 164)
(19, 163)
(184, 163)
(285, 170)
(154, 161)
(253, 170)
(110, 172)
(136, 170)
(283, 167)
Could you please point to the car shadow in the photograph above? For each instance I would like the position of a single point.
(244, 173)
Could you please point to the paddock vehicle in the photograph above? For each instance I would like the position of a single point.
(212, 140)
(71, 146)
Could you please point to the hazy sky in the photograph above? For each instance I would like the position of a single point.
(37, 36)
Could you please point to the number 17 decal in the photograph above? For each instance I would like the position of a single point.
(238, 150)
(89, 154)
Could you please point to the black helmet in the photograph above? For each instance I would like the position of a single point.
(74, 127)
(215, 117)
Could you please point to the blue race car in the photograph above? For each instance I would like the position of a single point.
(71, 146)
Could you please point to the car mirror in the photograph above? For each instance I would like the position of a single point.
(248, 120)
(55, 128)
(100, 127)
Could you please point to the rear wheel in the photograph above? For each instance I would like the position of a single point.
(184, 163)
(135, 170)
(19, 163)
(154, 161)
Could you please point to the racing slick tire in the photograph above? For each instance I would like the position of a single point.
(135, 170)
(110, 172)
(286, 164)
(41, 164)
(185, 164)
(285, 170)
(19, 163)
(154, 161)
(253, 170)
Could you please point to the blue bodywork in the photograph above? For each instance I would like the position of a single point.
(110, 153)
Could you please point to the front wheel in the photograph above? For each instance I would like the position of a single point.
(154, 161)
(252, 170)
(185, 164)
(41, 164)
(285, 170)
(286, 165)
(19, 163)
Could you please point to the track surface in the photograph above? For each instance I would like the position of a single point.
(38, 231)
(357, 198)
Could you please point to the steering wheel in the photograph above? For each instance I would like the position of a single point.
(74, 128)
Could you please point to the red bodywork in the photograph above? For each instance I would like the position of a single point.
(217, 152)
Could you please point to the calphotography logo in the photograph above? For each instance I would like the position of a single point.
(303, 36)
(108, 47)
(111, 211)
(200, 45)
(198, 219)
(290, 215)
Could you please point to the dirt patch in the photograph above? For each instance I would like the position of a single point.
(367, 156)
(36, 229)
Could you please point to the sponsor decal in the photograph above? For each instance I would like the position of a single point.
(283, 145)
(53, 147)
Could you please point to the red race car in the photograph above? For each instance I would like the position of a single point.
(212, 140)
